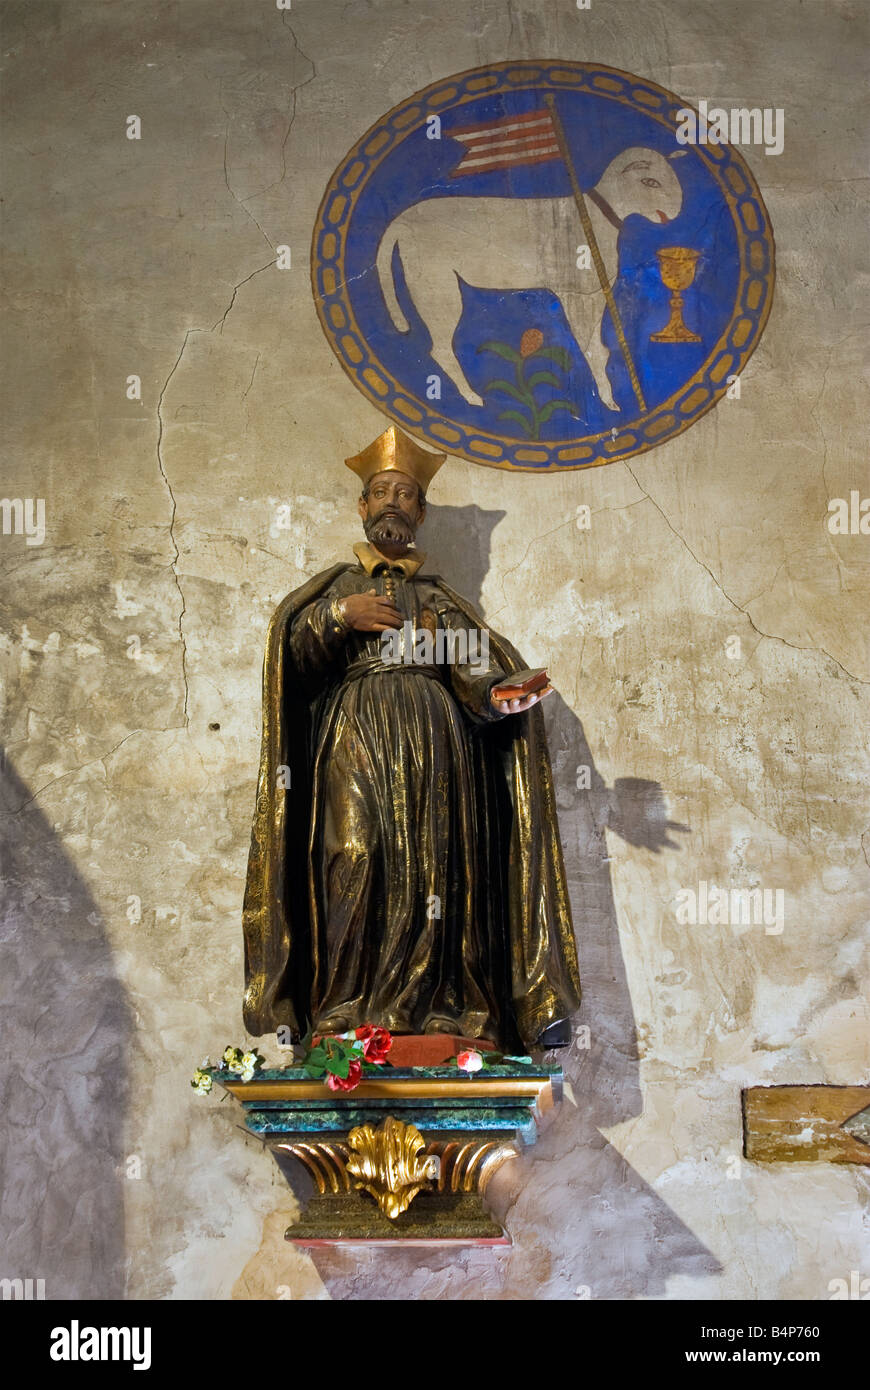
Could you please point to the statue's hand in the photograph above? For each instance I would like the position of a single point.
(516, 706)
(370, 612)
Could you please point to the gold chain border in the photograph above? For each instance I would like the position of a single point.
(687, 398)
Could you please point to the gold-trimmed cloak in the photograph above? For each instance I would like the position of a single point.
(528, 916)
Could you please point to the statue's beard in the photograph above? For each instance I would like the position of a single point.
(390, 528)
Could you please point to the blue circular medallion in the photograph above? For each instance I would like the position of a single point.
(523, 266)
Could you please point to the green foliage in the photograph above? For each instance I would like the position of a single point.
(538, 378)
(522, 390)
(547, 411)
(501, 350)
(515, 415)
(509, 390)
(555, 354)
(332, 1055)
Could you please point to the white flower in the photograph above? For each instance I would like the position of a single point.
(201, 1082)
(248, 1074)
(249, 1060)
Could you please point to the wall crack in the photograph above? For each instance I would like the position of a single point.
(772, 636)
(174, 505)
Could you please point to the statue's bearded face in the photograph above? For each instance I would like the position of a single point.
(391, 511)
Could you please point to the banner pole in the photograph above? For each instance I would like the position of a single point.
(589, 233)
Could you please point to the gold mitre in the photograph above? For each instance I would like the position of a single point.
(395, 450)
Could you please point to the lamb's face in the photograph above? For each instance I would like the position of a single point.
(641, 182)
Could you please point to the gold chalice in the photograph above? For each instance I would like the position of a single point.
(677, 269)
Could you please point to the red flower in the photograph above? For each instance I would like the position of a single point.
(376, 1043)
(346, 1083)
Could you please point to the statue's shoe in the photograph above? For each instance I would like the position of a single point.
(441, 1025)
(332, 1025)
(558, 1034)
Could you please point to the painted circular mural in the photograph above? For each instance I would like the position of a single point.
(521, 265)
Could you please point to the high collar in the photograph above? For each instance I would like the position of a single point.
(370, 558)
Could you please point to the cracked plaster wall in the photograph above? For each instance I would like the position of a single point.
(127, 811)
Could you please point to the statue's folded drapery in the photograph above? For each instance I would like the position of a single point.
(410, 875)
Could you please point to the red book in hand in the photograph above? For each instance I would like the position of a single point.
(521, 684)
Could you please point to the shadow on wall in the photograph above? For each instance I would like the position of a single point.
(583, 1218)
(63, 1088)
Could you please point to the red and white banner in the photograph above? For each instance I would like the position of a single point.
(507, 143)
